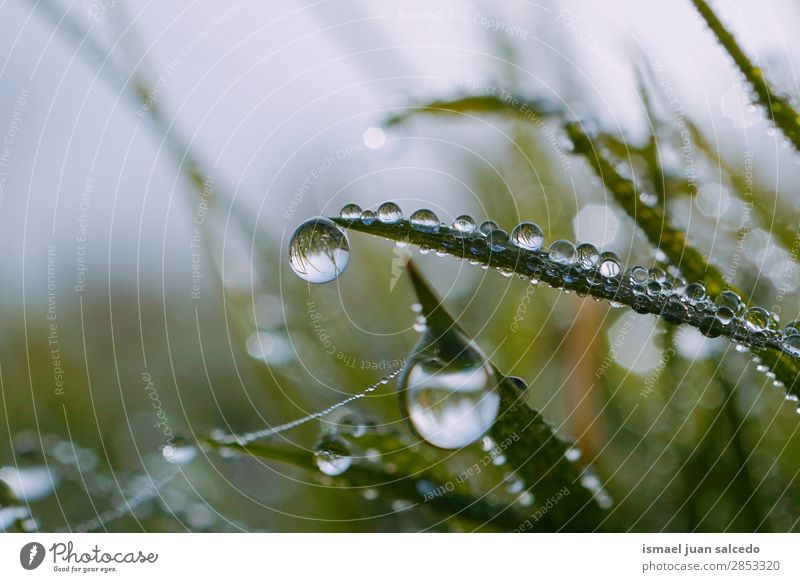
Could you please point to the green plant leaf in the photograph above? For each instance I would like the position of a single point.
(778, 108)
(533, 450)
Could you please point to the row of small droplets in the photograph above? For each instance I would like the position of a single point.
(757, 325)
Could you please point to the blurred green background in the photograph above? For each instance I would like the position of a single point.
(176, 170)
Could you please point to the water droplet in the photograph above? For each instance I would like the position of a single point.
(526, 499)
(487, 226)
(448, 388)
(730, 300)
(450, 403)
(29, 483)
(367, 217)
(333, 455)
(695, 292)
(400, 505)
(657, 275)
(724, 315)
(791, 345)
(792, 327)
(389, 213)
(180, 452)
(563, 252)
(756, 319)
(649, 199)
(425, 220)
(374, 138)
(674, 311)
(514, 485)
(609, 265)
(676, 284)
(464, 225)
(653, 288)
(497, 240)
(588, 256)
(352, 424)
(318, 251)
(527, 235)
(350, 212)
(638, 275)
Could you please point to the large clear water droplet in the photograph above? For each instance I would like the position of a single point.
(424, 220)
(527, 235)
(333, 455)
(563, 252)
(350, 212)
(389, 213)
(464, 225)
(318, 251)
(448, 388)
(450, 403)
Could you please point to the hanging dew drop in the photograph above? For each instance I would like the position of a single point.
(450, 403)
(528, 236)
(350, 212)
(333, 455)
(448, 388)
(425, 220)
(389, 213)
(318, 251)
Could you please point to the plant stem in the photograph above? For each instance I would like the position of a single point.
(778, 108)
